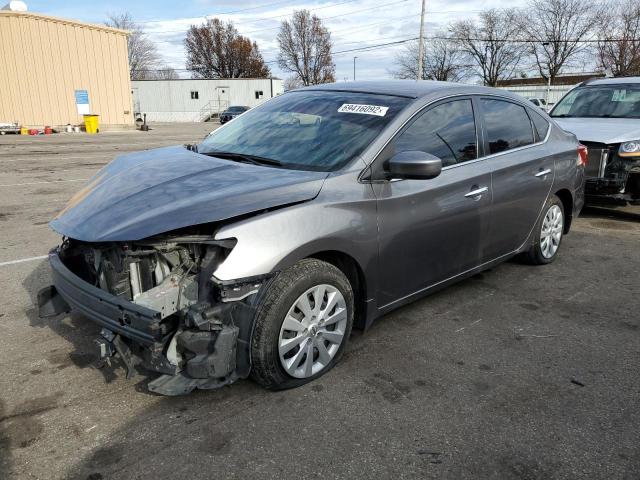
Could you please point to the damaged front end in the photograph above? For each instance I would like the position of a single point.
(159, 306)
(613, 176)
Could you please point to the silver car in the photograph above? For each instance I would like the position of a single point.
(257, 251)
(605, 116)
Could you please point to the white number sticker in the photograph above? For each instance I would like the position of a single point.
(363, 109)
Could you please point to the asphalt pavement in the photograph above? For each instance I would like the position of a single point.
(520, 372)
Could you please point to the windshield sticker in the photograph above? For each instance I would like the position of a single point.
(363, 109)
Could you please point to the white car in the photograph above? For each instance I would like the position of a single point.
(605, 116)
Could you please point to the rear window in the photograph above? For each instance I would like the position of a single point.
(507, 125)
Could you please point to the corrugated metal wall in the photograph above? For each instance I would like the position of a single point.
(44, 60)
(172, 100)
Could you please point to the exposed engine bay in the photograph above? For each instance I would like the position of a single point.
(173, 316)
(612, 180)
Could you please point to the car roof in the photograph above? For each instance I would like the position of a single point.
(612, 81)
(410, 88)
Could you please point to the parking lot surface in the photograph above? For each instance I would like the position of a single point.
(520, 372)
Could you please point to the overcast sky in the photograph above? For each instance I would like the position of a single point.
(353, 24)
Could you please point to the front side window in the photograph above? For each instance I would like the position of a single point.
(307, 130)
(447, 131)
(507, 125)
(600, 101)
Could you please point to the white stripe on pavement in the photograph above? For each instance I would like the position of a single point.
(40, 183)
(22, 260)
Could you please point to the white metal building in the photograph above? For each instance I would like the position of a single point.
(188, 100)
(556, 92)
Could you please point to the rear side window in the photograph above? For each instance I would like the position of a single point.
(507, 125)
(540, 124)
(447, 131)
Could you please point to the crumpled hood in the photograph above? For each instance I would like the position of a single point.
(155, 191)
(603, 130)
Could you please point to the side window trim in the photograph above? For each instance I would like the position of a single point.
(371, 173)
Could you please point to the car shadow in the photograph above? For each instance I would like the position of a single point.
(603, 212)
(73, 327)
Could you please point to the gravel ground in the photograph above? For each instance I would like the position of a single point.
(520, 372)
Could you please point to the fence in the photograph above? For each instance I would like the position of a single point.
(556, 92)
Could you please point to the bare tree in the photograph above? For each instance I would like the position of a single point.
(442, 60)
(143, 55)
(217, 50)
(165, 73)
(555, 31)
(291, 83)
(488, 44)
(305, 49)
(619, 33)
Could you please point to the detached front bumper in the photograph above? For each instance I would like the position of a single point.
(604, 192)
(208, 345)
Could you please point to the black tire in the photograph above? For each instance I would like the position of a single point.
(281, 294)
(535, 255)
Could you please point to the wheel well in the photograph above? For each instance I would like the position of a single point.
(567, 204)
(351, 269)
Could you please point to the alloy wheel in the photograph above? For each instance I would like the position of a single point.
(312, 331)
(551, 234)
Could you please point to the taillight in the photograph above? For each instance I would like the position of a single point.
(583, 155)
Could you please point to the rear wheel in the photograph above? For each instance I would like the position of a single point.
(302, 325)
(549, 232)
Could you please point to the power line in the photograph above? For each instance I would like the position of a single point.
(269, 62)
(541, 41)
(400, 42)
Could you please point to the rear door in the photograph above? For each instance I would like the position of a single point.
(431, 230)
(522, 173)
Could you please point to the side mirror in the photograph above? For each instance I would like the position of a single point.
(414, 165)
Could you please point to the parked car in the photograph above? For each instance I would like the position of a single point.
(231, 113)
(257, 251)
(605, 116)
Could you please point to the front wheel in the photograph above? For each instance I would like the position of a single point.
(302, 325)
(548, 233)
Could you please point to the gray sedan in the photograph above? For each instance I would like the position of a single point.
(255, 252)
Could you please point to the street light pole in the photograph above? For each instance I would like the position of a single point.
(354, 68)
(421, 45)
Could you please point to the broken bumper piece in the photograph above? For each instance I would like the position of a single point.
(204, 347)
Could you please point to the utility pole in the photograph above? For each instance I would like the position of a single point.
(421, 45)
(546, 108)
(354, 68)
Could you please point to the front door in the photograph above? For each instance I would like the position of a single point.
(431, 230)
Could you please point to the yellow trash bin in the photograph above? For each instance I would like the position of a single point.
(91, 124)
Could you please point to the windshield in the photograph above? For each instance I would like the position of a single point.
(307, 130)
(601, 101)
(237, 109)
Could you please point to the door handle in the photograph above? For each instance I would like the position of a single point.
(477, 192)
(543, 173)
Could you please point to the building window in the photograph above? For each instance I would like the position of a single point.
(259, 94)
(194, 95)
